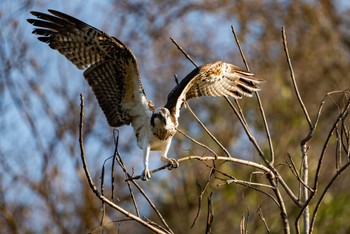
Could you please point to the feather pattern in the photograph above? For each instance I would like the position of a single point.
(215, 79)
(112, 70)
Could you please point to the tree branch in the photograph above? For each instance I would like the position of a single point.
(295, 86)
(92, 184)
(189, 108)
(267, 130)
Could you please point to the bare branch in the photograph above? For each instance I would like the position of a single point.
(261, 216)
(128, 176)
(197, 142)
(284, 215)
(295, 86)
(339, 172)
(189, 108)
(200, 198)
(183, 51)
(92, 184)
(294, 171)
(239, 47)
(340, 117)
(245, 183)
(248, 184)
(209, 158)
(210, 215)
(116, 156)
(267, 130)
(248, 132)
(207, 130)
(320, 161)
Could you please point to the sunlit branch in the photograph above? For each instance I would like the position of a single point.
(267, 130)
(295, 86)
(127, 175)
(339, 172)
(208, 158)
(197, 142)
(320, 160)
(116, 157)
(284, 214)
(189, 108)
(92, 184)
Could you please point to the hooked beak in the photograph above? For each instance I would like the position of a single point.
(159, 116)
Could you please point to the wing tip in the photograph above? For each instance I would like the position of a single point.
(44, 39)
(35, 13)
(56, 13)
(31, 21)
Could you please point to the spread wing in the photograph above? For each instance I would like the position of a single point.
(111, 67)
(215, 79)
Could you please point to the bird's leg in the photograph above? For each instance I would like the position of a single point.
(163, 156)
(146, 175)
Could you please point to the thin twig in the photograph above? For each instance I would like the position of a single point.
(92, 184)
(338, 149)
(239, 47)
(245, 183)
(119, 160)
(251, 185)
(157, 225)
(294, 171)
(209, 158)
(267, 130)
(103, 207)
(210, 214)
(339, 172)
(248, 132)
(261, 216)
(245, 217)
(81, 142)
(320, 162)
(283, 210)
(197, 142)
(207, 131)
(200, 198)
(295, 86)
(111, 222)
(129, 178)
(303, 143)
(116, 157)
(340, 117)
(189, 108)
(183, 51)
(283, 214)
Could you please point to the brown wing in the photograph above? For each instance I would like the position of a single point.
(112, 70)
(215, 79)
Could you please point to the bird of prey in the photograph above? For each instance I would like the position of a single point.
(112, 73)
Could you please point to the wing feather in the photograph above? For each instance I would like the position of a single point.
(215, 79)
(111, 67)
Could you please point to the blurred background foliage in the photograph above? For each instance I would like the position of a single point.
(42, 185)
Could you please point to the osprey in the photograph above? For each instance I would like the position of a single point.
(113, 75)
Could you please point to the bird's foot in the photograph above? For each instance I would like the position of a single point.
(173, 163)
(146, 175)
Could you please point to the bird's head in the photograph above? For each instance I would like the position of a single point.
(160, 117)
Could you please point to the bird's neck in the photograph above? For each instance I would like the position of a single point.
(164, 132)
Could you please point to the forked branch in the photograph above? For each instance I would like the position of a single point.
(92, 184)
